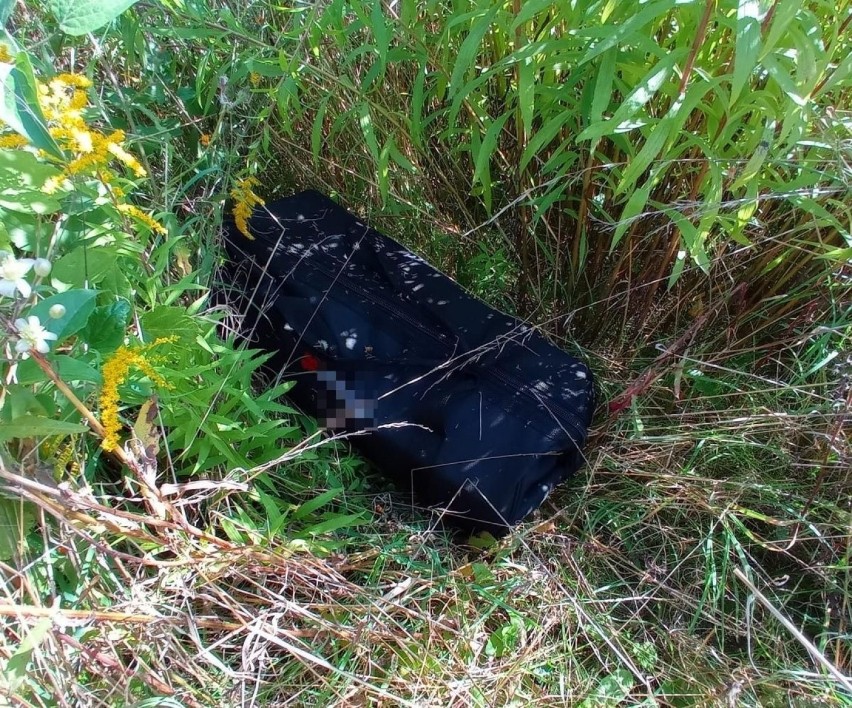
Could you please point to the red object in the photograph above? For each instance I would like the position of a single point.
(620, 404)
(309, 362)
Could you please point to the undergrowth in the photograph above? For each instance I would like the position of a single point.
(661, 186)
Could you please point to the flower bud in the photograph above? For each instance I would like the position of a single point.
(42, 267)
(56, 311)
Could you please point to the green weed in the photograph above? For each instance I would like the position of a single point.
(663, 185)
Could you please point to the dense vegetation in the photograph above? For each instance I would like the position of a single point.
(663, 186)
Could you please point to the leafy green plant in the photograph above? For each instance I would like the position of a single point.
(83, 351)
(620, 147)
(664, 184)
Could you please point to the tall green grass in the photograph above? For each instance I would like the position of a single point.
(620, 150)
(662, 184)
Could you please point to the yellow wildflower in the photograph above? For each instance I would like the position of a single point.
(246, 200)
(113, 145)
(79, 100)
(254, 77)
(84, 141)
(115, 371)
(74, 80)
(98, 157)
(205, 139)
(146, 219)
(63, 99)
(12, 141)
(64, 462)
(5, 56)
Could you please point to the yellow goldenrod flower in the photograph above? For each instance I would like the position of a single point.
(98, 158)
(254, 77)
(115, 371)
(79, 100)
(64, 462)
(146, 219)
(83, 138)
(74, 80)
(5, 56)
(63, 100)
(245, 200)
(115, 148)
(205, 139)
(14, 141)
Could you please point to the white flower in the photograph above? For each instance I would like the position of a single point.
(32, 336)
(12, 272)
(42, 267)
(57, 311)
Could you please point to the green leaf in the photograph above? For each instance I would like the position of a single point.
(636, 99)
(836, 76)
(21, 401)
(667, 128)
(365, 120)
(677, 269)
(782, 76)
(758, 157)
(529, 9)
(631, 210)
(22, 178)
(381, 33)
(611, 690)
(660, 135)
(603, 85)
(399, 158)
(747, 46)
(318, 129)
(272, 506)
(16, 670)
(78, 17)
(693, 240)
(526, 95)
(78, 305)
(19, 107)
(785, 12)
(487, 148)
(31, 426)
(85, 265)
(614, 34)
(317, 502)
(470, 47)
(505, 639)
(166, 321)
(24, 231)
(16, 520)
(6, 8)
(68, 368)
(107, 326)
(334, 523)
(417, 104)
(384, 170)
(544, 136)
(232, 531)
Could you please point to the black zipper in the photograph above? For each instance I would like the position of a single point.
(506, 380)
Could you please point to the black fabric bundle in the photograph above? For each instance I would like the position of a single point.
(474, 411)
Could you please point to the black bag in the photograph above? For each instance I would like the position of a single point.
(475, 412)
